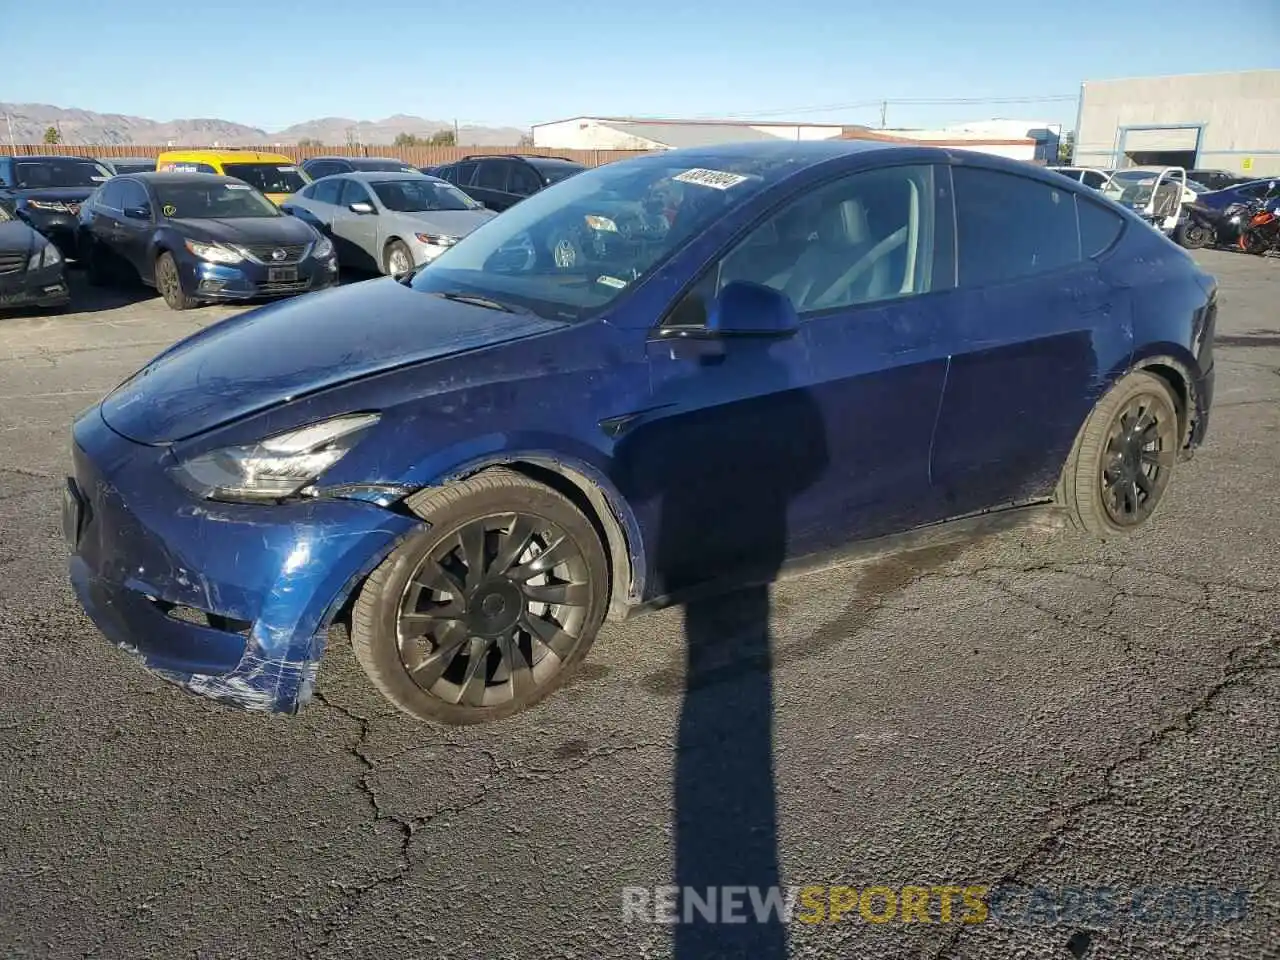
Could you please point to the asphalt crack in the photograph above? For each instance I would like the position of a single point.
(1241, 661)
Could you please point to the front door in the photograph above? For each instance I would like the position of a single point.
(356, 234)
(1034, 335)
(777, 449)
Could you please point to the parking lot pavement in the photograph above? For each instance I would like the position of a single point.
(1033, 710)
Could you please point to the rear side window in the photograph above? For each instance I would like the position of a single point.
(327, 191)
(462, 173)
(492, 175)
(1099, 227)
(524, 180)
(1008, 227)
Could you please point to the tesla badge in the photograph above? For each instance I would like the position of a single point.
(278, 255)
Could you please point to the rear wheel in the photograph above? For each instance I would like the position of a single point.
(1123, 458)
(1251, 241)
(490, 609)
(169, 283)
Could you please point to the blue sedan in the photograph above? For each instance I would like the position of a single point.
(660, 376)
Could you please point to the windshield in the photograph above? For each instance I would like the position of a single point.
(421, 196)
(267, 177)
(569, 250)
(1123, 181)
(208, 201)
(62, 172)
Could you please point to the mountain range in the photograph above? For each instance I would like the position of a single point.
(27, 123)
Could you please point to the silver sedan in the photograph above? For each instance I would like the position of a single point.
(389, 222)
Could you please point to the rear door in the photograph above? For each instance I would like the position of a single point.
(1034, 333)
(489, 185)
(134, 231)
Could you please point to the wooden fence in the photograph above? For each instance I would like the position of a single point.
(415, 156)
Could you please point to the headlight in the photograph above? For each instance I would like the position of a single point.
(323, 249)
(55, 206)
(46, 256)
(214, 252)
(436, 240)
(275, 468)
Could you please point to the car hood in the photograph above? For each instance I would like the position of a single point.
(280, 352)
(65, 194)
(16, 237)
(283, 229)
(450, 223)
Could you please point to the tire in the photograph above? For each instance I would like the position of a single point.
(492, 614)
(1251, 241)
(395, 254)
(1100, 474)
(1195, 236)
(169, 283)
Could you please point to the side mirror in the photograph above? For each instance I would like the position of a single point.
(138, 213)
(742, 310)
(361, 207)
(745, 309)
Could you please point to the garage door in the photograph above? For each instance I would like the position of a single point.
(1165, 138)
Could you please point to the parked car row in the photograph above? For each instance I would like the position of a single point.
(203, 225)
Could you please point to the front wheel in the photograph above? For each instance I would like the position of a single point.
(396, 259)
(490, 609)
(1252, 241)
(1195, 236)
(1123, 457)
(169, 283)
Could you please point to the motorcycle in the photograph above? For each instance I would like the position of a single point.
(1261, 232)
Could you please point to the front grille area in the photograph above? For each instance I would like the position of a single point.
(12, 262)
(293, 252)
(272, 289)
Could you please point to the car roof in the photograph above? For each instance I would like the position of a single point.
(54, 156)
(371, 176)
(170, 176)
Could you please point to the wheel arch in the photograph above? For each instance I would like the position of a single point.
(602, 505)
(1178, 374)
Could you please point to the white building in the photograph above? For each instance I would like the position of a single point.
(1019, 139)
(1217, 121)
(633, 133)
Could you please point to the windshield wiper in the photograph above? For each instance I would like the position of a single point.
(476, 301)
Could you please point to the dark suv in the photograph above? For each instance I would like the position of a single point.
(318, 167)
(503, 181)
(46, 192)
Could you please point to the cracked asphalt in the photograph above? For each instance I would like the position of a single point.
(1031, 709)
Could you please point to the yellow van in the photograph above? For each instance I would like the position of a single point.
(273, 174)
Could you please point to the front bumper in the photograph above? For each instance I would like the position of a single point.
(45, 287)
(231, 602)
(215, 281)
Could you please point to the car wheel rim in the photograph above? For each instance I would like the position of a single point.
(1137, 459)
(168, 282)
(399, 262)
(566, 256)
(494, 611)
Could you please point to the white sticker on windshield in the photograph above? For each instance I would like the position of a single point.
(611, 282)
(238, 186)
(716, 179)
(99, 179)
(286, 169)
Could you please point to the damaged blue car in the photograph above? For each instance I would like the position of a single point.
(662, 375)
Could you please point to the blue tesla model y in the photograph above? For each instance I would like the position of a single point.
(660, 374)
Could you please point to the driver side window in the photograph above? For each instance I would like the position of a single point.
(863, 238)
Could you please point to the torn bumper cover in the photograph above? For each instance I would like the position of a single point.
(231, 602)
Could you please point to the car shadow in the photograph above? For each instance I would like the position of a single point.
(725, 808)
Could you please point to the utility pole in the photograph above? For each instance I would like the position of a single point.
(884, 110)
(9, 120)
(455, 131)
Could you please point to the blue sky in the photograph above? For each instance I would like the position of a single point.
(500, 62)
